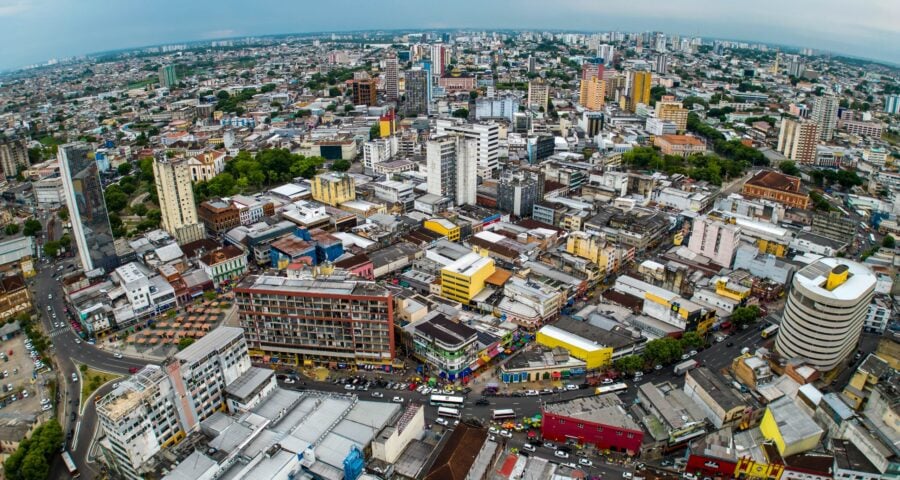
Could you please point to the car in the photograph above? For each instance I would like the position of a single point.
(626, 475)
(77, 341)
(529, 447)
(606, 381)
(657, 367)
(24, 393)
(13, 398)
(9, 387)
(689, 476)
(493, 430)
(546, 391)
(49, 308)
(54, 315)
(548, 445)
(74, 377)
(426, 391)
(91, 342)
(560, 454)
(585, 462)
(349, 386)
(397, 399)
(693, 353)
(377, 395)
(45, 407)
(117, 355)
(685, 357)
(571, 387)
(5, 373)
(50, 295)
(482, 402)
(729, 344)
(505, 434)
(45, 401)
(442, 422)
(638, 374)
(492, 438)
(531, 393)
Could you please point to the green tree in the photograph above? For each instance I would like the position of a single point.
(340, 165)
(629, 364)
(12, 229)
(888, 242)
(63, 214)
(139, 209)
(691, 340)
(83, 367)
(124, 169)
(185, 342)
(32, 227)
(788, 167)
(663, 350)
(374, 132)
(116, 199)
(745, 315)
(209, 295)
(65, 241)
(461, 113)
(51, 248)
(473, 95)
(145, 165)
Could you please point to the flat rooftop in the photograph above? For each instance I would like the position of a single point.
(860, 279)
(326, 285)
(211, 342)
(601, 409)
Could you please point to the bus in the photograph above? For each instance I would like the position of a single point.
(447, 401)
(503, 414)
(770, 331)
(70, 464)
(612, 388)
(448, 412)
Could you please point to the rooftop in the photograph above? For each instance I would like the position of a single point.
(468, 264)
(860, 281)
(211, 342)
(244, 386)
(793, 423)
(776, 181)
(716, 388)
(601, 409)
(320, 285)
(458, 455)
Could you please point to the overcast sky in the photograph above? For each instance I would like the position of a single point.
(32, 31)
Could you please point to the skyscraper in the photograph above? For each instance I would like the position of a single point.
(487, 138)
(824, 113)
(640, 89)
(538, 94)
(440, 58)
(797, 140)
(13, 155)
(176, 199)
(593, 88)
(825, 311)
(607, 52)
(892, 104)
(167, 77)
(531, 64)
(662, 64)
(87, 207)
(364, 90)
(391, 83)
(451, 161)
(517, 192)
(417, 91)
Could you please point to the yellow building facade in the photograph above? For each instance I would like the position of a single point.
(333, 188)
(594, 355)
(463, 279)
(640, 89)
(593, 93)
(672, 111)
(444, 227)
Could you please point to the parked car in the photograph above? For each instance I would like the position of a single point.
(529, 447)
(571, 387)
(397, 399)
(585, 462)
(560, 454)
(505, 434)
(606, 381)
(377, 395)
(549, 445)
(626, 475)
(117, 355)
(441, 421)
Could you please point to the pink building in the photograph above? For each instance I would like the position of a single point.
(714, 239)
(358, 265)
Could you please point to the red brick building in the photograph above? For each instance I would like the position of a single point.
(600, 421)
(778, 187)
(219, 216)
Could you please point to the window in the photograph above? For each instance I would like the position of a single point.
(580, 425)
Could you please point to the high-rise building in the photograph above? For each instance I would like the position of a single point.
(607, 52)
(13, 155)
(640, 89)
(334, 319)
(417, 81)
(176, 199)
(440, 58)
(892, 104)
(593, 89)
(795, 66)
(538, 94)
(379, 150)
(451, 164)
(517, 192)
(333, 188)
(797, 140)
(825, 311)
(167, 77)
(670, 110)
(659, 43)
(487, 136)
(661, 63)
(364, 91)
(824, 113)
(87, 207)
(531, 64)
(391, 79)
(715, 239)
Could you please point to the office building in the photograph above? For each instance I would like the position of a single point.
(670, 110)
(417, 88)
(176, 199)
(391, 79)
(448, 347)
(487, 138)
(465, 278)
(538, 94)
(440, 58)
(496, 108)
(13, 156)
(326, 320)
(797, 140)
(531, 64)
(661, 64)
(795, 66)
(607, 52)
(218, 215)
(364, 90)
(825, 311)
(640, 89)
(167, 78)
(715, 240)
(333, 188)
(87, 208)
(892, 104)
(379, 150)
(592, 92)
(824, 114)
(451, 166)
(517, 192)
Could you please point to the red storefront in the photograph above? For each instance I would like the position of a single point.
(599, 421)
(709, 466)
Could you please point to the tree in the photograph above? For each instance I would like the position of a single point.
(340, 165)
(185, 342)
(139, 209)
(745, 315)
(31, 461)
(209, 295)
(65, 241)
(888, 242)
(32, 227)
(124, 169)
(473, 95)
(374, 132)
(461, 113)
(691, 340)
(663, 350)
(12, 229)
(51, 248)
(629, 364)
(145, 165)
(63, 214)
(788, 167)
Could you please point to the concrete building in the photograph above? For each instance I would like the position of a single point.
(87, 208)
(825, 312)
(517, 192)
(640, 89)
(715, 397)
(600, 421)
(538, 95)
(417, 86)
(167, 77)
(487, 142)
(465, 278)
(379, 150)
(391, 78)
(364, 91)
(824, 114)
(496, 108)
(448, 347)
(218, 216)
(670, 110)
(224, 265)
(681, 145)
(328, 320)
(13, 156)
(715, 240)
(14, 296)
(333, 188)
(791, 428)
(797, 140)
(777, 187)
(451, 161)
(49, 192)
(176, 199)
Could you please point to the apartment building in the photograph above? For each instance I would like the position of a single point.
(450, 347)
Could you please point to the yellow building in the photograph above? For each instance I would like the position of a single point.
(731, 290)
(673, 111)
(593, 93)
(333, 188)
(864, 380)
(791, 429)
(593, 354)
(749, 468)
(640, 89)
(463, 279)
(444, 227)
(771, 247)
(595, 248)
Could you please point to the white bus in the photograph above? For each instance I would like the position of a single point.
(503, 414)
(613, 388)
(448, 412)
(70, 464)
(447, 401)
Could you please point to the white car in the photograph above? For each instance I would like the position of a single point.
(77, 341)
(693, 353)
(571, 387)
(606, 381)
(397, 399)
(585, 462)
(117, 355)
(493, 430)
(349, 387)
(442, 422)
(74, 377)
(49, 296)
(377, 395)
(505, 434)
(24, 393)
(529, 447)
(532, 393)
(45, 407)
(626, 475)
(560, 454)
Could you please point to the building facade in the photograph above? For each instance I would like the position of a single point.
(219, 216)
(333, 188)
(176, 199)
(451, 161)
(599, 421)
(797, 140)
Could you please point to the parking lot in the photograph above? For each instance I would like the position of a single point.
(22, 389)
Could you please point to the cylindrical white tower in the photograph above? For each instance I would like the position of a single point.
(825, 311)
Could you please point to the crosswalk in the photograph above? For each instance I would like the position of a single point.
(58, 332)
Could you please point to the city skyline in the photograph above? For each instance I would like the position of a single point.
(865, 27)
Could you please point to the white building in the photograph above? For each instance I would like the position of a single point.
(451, 165)
(658, 126)
(250, 209)
(48, 192)
(824, 113)
(715, 240)
(176, 199)
(878, 316)
(393, 191)
(379, 150)
(487, 138)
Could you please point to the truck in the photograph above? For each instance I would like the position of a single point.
(684, 366)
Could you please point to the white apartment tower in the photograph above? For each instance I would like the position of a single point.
(824, 113)
(391, 76)
(450, 161)
(176, 199)
(487, 138)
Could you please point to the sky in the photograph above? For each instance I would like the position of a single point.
(33, 31)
